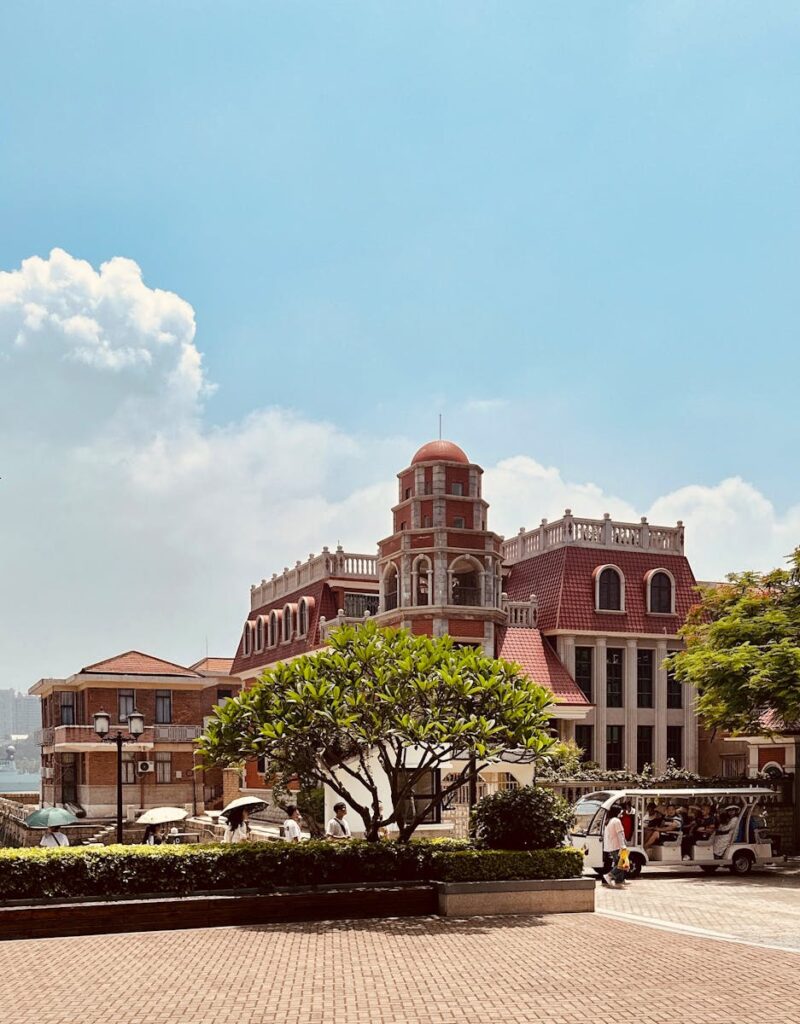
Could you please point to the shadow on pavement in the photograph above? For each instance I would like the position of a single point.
(407, 925)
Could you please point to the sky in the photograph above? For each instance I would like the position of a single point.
(250, 251)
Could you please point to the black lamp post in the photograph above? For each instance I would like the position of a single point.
(102, 726)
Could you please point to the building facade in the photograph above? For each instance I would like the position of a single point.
(80, 770)
(589, 608)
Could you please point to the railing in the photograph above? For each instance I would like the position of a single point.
(338, 563)
(390, 601)
(470, 596)
(521, 614)
(603, 532)
(357, 605)
(152, 734)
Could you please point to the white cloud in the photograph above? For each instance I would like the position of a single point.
(134, 524)
(486, 405)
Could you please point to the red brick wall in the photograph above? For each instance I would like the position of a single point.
(422, 627)
(467, 541)
(466, 627)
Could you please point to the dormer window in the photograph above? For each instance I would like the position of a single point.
(260, 633)
(288, 623)
(274, 630)
(609, 589)
(304, 615)
(660, 592)
(247, 639)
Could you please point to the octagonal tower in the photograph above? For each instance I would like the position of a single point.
(440, 570)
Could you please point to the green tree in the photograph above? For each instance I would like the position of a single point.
(743, 651)
(345, 714)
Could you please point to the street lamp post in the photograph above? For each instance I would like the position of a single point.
(102, 726)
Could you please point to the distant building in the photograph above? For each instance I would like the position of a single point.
(19, 714)
(588, 607)
(78, 768)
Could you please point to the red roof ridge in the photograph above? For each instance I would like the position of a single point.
(116, 665)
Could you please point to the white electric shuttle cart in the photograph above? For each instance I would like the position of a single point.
(739, 844)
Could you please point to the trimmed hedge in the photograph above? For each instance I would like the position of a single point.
(178, 870)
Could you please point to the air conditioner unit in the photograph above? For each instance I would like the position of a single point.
(47, 773)
(145, 767)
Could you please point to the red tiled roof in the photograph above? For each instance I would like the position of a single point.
(563, 582)
(213, 666)
(323, 604)
(528, 649)
(134, 663)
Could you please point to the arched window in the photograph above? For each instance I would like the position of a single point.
(465, 582)
(610, 595)
(274, 631)
(304, 615)
(288, 622)
(422, 579)
(661, 593)
(247, 639)
(260, 633)
(391, 587)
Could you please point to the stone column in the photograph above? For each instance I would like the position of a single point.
(599, 686)
(660, 738)
(631, 704)
(690, 727)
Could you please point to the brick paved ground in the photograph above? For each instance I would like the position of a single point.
(557, 970)
(762, 908)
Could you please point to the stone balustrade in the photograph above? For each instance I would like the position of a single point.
(521, 614)
(602, 533)
(338, 564)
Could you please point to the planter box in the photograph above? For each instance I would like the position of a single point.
(551, 896)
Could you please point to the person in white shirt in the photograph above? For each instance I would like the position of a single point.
(338, 829)
(54, 837)
(613, 844)
(238, 829)
(291, 827)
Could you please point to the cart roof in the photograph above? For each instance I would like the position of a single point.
(719, 791)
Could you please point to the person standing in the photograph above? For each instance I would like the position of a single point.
(54, 837)
(291, 827)
(238, 829)
(614, 843)
(338, 829)
(154, 835)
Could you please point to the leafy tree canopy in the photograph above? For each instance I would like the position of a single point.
(743, 651)
(382, 701)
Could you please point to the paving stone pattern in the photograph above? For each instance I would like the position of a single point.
(762, 908)
(555, 970)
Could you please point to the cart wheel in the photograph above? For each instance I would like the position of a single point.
(742, 863)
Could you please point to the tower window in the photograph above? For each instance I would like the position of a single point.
(457, 489)
(609, 590)
(460, 523)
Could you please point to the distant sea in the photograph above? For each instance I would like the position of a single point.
(17, 782)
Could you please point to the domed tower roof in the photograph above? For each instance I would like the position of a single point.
(440, 451)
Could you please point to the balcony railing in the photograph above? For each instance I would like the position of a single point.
(390, 601)
(470, 596)
(86, 734)
(339, 564)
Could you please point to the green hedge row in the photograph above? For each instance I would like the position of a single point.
(137, 870)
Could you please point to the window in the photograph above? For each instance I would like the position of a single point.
(67, 705)
(260, 633)
(427, 521)
(403, 526)
(247, 640)
(644, 679)
(407, 493)
(614, 760)
(426, 787)
(609, 590)
(674, 690)
(274, 630)
(421, 580)
(457, 489)
(128, 769)
(660, 593)
(391, 588)
(614, 664)
(675, 744)
(224, 695)
(126, 703)
(644, 746)
(459, 522)
(163, 766)
(302, 617)
(584, 738)
(583, 671)
(261, 764)
(464, 583)
(355, 605)
(288, 624)
(163, 707)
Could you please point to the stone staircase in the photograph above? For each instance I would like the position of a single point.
(105, 836)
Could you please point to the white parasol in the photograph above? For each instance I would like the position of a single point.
(161, 815)
(244, 801)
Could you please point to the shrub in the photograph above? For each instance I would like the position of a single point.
(528, 818)
(131, 871)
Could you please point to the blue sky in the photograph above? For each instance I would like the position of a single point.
(572, 228)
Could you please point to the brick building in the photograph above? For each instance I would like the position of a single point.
(158, 769)
(589, 608)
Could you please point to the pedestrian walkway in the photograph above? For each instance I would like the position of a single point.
(554, 970)
(763, 908)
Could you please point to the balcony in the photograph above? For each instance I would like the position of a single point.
(469, 596)
(338, 564)
(83, 737)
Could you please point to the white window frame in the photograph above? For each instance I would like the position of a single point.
(648, 580)
(597, 574)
